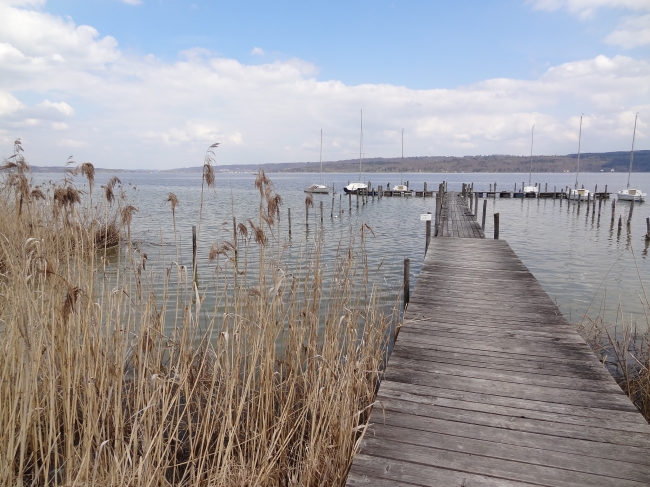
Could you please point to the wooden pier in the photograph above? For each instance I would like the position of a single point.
(489, 385)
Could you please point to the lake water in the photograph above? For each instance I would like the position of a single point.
(581, 262)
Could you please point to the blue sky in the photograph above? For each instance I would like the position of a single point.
(151, 83)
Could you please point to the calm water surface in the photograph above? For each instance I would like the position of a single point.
(582, 263)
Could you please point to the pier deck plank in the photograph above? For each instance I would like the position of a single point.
(489, 385)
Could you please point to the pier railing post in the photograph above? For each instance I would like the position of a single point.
(407, 282)
(484, 214)
(496, 226)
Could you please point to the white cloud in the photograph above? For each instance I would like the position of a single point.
(257, 51)
(8, 103)
(61, 107)
(132, 2)
(144, 112)
(631, 32)
(70, 143)
(587, 8)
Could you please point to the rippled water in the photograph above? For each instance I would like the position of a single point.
(579, 260)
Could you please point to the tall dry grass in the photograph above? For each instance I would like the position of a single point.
(99, 387)
(624, 348)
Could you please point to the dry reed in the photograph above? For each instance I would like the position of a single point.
(104, 382)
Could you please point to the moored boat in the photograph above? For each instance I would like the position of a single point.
(631, 194)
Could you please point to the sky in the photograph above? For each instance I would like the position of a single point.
(151, 84)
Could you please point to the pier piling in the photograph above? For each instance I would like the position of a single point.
(496, 226)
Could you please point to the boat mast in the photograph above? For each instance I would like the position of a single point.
(402, 173)
(579, 139)
(632, 152)
(361, 146)
(532, 135)
(321, 156)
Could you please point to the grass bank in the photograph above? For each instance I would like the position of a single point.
(97, 387)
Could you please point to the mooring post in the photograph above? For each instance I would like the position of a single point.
(424, 193)
(546, 187)
(484, 214)
(194, 272)
(647, 227)
(306, 214)
(350, 201)
(340, 203)
(407, 282)
(600, 202)
(289, 219)
(357, 199)
(495, 189)
(613, 212)
(496, 226)
(332, 212)
(620, 224)
(476, 204)
(428, 236)
(629, 216)
(321, 212)
(605, 191)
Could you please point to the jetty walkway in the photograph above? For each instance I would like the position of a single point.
(489, 385)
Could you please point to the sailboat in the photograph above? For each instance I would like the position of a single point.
(354, 188)
(401, 187)
(531, 191)
(631, 194)
(579, 194)
(319, 188)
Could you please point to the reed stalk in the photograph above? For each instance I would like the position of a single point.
(271, 387)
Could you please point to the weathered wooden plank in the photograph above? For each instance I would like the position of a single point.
(489, 384)
(559, 413)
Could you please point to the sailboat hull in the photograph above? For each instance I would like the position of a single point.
(317, 189)
(631, 195)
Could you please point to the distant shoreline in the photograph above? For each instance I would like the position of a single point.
(589, 162)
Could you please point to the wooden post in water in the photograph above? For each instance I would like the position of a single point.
(495, 189)
(289, 218)
(629, 216)
(476, 205)
(350, 201)
(484, 214)
(496, 226)
(613, 212)
(605, 191)
(332, 212)
(357, 199)
(424, 193)
(306, 214)
(340, 203)
(600, 202)
(428, 234)
(321, 212)
(620, 224)
(546, 187)
(647, 227)
(194, 270)
(407, 282)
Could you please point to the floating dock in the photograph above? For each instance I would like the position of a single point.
(489, 385)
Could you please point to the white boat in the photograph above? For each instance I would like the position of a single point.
(579, 194)
(319, 188)
(631, 194)
(358, 187)
(401, 187)
(531, 191)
